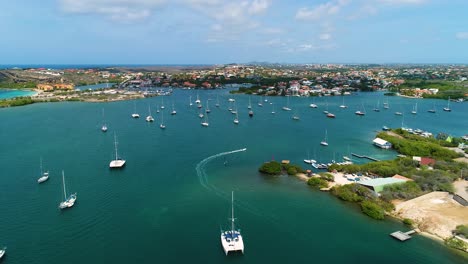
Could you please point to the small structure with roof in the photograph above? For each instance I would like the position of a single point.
(377, 185)
(382, 143)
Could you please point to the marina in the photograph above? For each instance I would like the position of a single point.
(151, 198)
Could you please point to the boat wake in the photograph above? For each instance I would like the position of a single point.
(203, 178)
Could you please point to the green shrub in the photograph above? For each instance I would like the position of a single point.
(403, 191)
(408, 222)
(327, 176)
(352, 192)
(462, 230)
(317, 183)
(456, 243)
(271, 168)
(373, 209)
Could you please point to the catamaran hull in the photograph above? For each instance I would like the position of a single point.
(232, 246)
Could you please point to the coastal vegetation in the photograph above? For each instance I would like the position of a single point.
(452, 89)
(276, 168)
(461, 230)
(18, 85)
(317, 183)
(371, 205)
(412, 145)
(17, 101)
(271, 168)
(456, 243)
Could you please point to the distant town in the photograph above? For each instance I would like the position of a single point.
(123, 83)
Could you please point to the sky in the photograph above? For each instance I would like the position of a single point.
(233, 31)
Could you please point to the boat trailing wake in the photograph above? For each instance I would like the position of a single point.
(203, 178)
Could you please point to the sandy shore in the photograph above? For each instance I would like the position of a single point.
(435, 213)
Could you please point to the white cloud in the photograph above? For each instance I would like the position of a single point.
(462, 35)
(403, 2)
(272, 30)
(321, 11)
(325, 36)
(258, 6)
(119, 10)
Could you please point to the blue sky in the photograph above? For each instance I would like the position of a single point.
(223, 31)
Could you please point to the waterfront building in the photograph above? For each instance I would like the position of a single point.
(382, 143)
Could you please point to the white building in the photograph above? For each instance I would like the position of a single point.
(382, 143)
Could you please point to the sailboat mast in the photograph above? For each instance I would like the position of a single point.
(232, 212)
(41, 165)
(64, 190)
(115, 145)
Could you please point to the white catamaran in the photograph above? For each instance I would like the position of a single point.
(70, 200)
(232, 239)
(118, 162)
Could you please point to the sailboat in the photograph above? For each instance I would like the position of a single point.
(149, 118)
(70, 200)
(415, 109)
(286, 108)
(200, 114)
(207, 109)
(157, 108)
(377, 107)
(295, 116)
(343, 105)
(217, 101)
(347, 157)
(44, 175)
(308, 160)
(385, 105)
(173, 110)
(360, 113)
(162, 102)
(273, 108)
(162, 126)
(205, 123)
(313, 105)
(190, 99)
(433, 110)
(260, 102)
(447, 109)
(118, 162)
(250, 105)
(232, 239)
(135, 114)
(325, 141)
(104, 126)
(326, 109)
(198, 99)
(236, 120)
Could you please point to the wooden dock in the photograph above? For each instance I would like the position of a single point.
(364, 157)
(403, 236)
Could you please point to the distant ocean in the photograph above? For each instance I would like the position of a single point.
(87, 66)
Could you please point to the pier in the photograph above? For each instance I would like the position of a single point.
(364, 157)
(403, 236)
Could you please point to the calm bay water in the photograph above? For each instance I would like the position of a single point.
(7, 93)
(169, 202)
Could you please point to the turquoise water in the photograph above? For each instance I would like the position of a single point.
(167, 205)
(7, 93)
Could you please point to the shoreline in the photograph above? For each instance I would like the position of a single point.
(394, 214)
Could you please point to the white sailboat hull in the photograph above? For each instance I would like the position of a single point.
(117, 163)
(43, 179)
(69, 202)
(232, 244)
